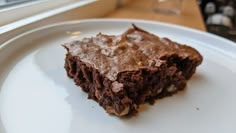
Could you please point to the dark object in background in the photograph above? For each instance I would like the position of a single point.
(223, 31)
(220, 17)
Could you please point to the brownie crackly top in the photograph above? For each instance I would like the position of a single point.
(130, 51)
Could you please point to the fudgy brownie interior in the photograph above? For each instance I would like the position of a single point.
(121, 72)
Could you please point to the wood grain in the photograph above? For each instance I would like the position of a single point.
(190, 15)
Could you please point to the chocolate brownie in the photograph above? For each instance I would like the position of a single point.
(121, 72)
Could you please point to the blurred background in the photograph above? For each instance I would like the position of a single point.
(7, 3)
(218, 16)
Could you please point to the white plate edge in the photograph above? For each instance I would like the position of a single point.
(222, 49)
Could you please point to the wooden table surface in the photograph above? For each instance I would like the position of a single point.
(142, 9)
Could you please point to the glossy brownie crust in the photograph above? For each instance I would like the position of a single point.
(121, 72)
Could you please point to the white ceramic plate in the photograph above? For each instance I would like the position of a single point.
(36, 96)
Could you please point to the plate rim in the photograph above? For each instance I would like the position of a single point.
(179, 27)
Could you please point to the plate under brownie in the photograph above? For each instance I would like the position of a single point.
(36, 95)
